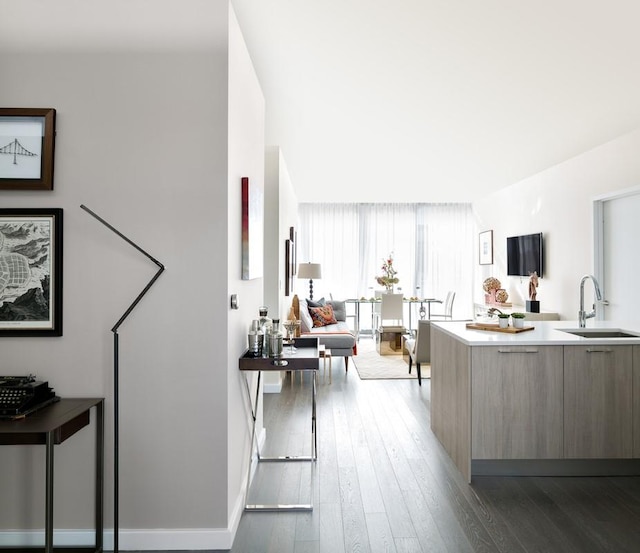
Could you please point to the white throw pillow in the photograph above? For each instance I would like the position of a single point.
(306, 323)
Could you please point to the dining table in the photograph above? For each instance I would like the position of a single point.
(424, 311)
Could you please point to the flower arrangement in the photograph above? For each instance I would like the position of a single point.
(388, 278)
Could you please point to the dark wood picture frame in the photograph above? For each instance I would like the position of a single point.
(289, 247)
(27, 147)
(31, 272)
(293, 236)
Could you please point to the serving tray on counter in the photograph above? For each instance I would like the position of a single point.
(496, 328)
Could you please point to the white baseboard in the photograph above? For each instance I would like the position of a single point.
(272, 388)
(129, 540)
(154, 539)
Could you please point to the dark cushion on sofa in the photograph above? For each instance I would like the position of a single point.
(339, 309)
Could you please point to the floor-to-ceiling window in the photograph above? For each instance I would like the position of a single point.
(432, 247)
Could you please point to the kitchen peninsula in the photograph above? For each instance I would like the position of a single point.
(545, 401)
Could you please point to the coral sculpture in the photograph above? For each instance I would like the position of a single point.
(490, 286)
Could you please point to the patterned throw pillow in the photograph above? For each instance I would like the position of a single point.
(322, 316)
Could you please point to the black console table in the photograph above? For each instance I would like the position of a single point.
(50, 426)
(306, 358)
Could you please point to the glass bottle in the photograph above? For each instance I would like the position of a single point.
(266, 326)
(275, 339)
(256, 339)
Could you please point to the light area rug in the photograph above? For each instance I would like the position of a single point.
(373, 366)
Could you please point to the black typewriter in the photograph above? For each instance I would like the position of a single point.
(22, 395)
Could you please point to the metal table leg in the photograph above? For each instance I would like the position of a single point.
(357, 320)
(314, 437)
(99, 492)
(48, 524)
(279, 507)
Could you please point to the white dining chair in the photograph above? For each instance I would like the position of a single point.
(448, 307)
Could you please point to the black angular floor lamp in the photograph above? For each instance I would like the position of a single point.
(116, 367)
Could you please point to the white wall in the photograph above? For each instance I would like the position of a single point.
(246, 159)
(281, 214)
(559, 203)
(143, 131)
(620, 267)
(288, 202)
(281, 187)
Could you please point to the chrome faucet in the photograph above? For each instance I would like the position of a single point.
(582, 314)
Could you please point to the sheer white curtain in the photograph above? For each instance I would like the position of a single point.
(432, 247)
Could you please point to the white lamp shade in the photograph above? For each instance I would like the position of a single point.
(309, 270)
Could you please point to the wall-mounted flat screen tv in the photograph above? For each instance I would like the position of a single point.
(524, 255)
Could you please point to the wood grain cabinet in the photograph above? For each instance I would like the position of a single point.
(517, 402)
(499, 409)
(598, 402)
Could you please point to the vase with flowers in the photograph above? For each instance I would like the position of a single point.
(388, 278)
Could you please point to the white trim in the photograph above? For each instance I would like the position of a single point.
(164, 539)
(236, 515)
(129, 540)
(272, 387)
(598, 248)
(631, 191)
(598, 235)
(155, 539)
(35, 538)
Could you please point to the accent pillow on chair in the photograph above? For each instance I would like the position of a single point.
(322, 316)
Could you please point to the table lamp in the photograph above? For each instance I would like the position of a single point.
(310, 271)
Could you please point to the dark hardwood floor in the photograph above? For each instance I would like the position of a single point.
(384, 483)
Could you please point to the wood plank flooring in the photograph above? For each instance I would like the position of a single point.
(383, 483)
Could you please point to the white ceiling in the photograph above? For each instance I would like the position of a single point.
(396, 100)
(439, 100)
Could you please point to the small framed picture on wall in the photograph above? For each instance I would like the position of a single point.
(485, 252)
(31, 272)
(27, 140)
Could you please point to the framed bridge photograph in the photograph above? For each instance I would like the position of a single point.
(27, 143)
(31, 272)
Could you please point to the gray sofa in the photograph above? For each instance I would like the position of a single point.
(337, 337)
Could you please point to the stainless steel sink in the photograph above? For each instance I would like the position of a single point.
(599, 333)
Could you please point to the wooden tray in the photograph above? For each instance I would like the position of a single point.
(496, 304)
(496, 328)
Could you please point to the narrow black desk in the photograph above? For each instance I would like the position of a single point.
(50, 426)
(306, 358)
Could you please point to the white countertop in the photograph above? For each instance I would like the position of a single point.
(543, 333)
